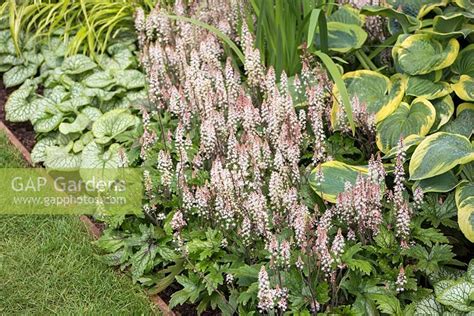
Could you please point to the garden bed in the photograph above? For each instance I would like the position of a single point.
(23, 131)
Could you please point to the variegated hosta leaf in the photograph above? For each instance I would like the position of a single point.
(130, 79)
(420, 54)
(428, 307)
(406, 120)
(420, 87)
(418, 8)
(335, 174)
(464, 88)
(343, 37)
(465, 204)
(439, 153)
(74, 104)
(19, 74)
(78, 125)
(60, 158)
(463, 123)
(409, 142)
(19, 107)
(78, 146)
(77, 64)
(405, 20)
(465, 4)
(378, 93)
(443, 183)
(458, 296)
(100, 79)
(444, 110)
(112, 124)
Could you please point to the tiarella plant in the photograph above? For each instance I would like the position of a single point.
(309, 157)
(228, 157)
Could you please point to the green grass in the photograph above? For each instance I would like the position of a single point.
(48, 266)
(9, 156)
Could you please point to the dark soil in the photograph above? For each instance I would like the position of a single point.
(23, 131)
(185, 309)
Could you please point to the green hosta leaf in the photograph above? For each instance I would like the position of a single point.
(439, 153)
(335, 176)
(463, 124)
(112, 124)
(464, 88)
(428, 307)
(77, 64)
(405, 20)
(406, 120)
(442, 183)
(130, 79)
(344, 37)
(420, 87)
(94, 157)
(19, 107)
(100, 79)
(59, 158)
(444, 110)
(18, 74)
(418, 8)
(420, 54)
(347, 15)
(458, 296)
(380, 94)
(80, 123)
(92, 113)
(464, 64)
(465, 205)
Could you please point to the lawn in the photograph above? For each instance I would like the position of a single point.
(49, 266)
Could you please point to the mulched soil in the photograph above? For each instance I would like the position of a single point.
(23, 131)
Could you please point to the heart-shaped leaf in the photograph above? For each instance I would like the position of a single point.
(464, 88)
(77, 64)
(112, 124)
(80, 123)
(464, 64)
(335, 175)
(378, 93)
(421, 54)
(420, 87)
(19, 107)
(444, 110)
(406, 120)
(465, 204)
(439, 153)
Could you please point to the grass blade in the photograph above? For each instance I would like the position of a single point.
(337, 77)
